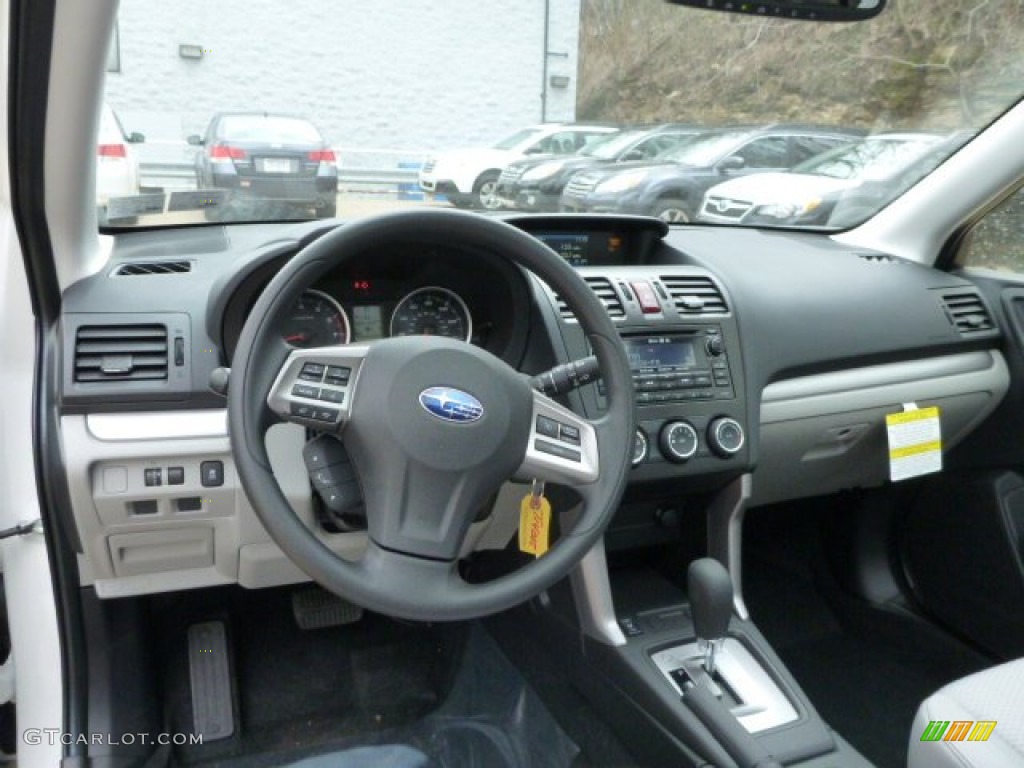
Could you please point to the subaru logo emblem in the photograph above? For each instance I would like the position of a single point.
(451, 404)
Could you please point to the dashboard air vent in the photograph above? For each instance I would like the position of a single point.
(154, 268)
(877, 258)
(121, 353)
(695, 295)
(967, 312)
(601, 286)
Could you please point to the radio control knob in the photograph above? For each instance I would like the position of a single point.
(640, 447)
(715, 346)
(678, 441)
(725, 436)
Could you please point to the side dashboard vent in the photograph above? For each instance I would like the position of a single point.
(878, 258)
(695, 295)
(967, 312)
(153, 268)
(120, 353)
(605, 291)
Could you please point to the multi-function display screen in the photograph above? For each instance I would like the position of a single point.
(654, 354)
(586, 249)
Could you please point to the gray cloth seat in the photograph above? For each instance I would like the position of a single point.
(994, 695)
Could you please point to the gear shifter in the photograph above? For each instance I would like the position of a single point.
(710, 588)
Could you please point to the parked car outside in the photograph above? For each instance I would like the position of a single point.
(270, 162)
(537, 183)
(117, 165)
(862, 175)
(672, 186)
(469, 177)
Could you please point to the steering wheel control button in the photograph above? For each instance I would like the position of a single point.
(312, 372)
(725, 436)
(547, 427)
(328, 415)
(153, 476)
(569, 434)
(640, 447)
(175, 475)
(330, 395)
(338, 375)
(301, 410)
(211, 474)
(554, 449)
(678, 441)
(305, 390)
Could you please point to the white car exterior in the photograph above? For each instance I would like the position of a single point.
(795, 196)
(470, 176)
(117, 165)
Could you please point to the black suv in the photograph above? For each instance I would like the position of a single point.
(672, 186)
(267, 159)
(536, 183)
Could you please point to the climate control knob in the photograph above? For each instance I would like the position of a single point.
(678, 441)
(725, 436)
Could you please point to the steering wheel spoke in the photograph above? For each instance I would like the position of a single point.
(562, 446)
(315, 387)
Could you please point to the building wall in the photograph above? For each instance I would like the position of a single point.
(402, 75)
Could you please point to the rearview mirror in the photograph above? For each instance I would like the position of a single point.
(732, 163)
(136, 138)
(195, 140)
(809, 10)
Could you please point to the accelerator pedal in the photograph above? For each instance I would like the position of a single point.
(317, 608)
(209, 666)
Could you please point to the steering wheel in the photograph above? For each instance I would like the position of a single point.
(433, 427)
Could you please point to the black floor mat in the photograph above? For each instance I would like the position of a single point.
(866, 669)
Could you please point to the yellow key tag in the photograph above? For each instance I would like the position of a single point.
(534, 524)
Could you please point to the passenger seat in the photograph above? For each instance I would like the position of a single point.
(953, 727)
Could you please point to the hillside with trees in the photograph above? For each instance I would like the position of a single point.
(921, 64)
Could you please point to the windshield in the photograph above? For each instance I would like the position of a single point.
(873, 157)
(273, 122)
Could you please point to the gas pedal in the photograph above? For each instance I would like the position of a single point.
(209, 666)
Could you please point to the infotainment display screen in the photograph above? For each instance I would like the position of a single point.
(586, 249)
(657, 354)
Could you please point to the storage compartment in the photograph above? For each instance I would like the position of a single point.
(158, 551)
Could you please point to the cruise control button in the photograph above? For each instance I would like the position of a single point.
(313, 369)
(555, 449)
(338, 375)
(547, 427)
(305, 390)
(332, 395)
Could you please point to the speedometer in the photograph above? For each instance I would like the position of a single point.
(432, 311)
(316, 320)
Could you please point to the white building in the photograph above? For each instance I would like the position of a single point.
(179, 62)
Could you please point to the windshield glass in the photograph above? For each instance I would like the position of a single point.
(270, 122)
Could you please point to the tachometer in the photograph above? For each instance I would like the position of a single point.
(432, 311)
(316, 320)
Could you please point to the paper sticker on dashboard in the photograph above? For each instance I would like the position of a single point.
(915, 442)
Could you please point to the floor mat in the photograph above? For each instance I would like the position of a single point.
(865, 669)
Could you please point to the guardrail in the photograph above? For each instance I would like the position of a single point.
(170, 166)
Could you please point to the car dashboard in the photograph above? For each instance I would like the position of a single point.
(751, 362)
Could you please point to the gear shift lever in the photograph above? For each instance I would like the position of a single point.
(710, 588)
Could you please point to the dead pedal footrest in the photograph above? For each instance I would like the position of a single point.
(317, 608)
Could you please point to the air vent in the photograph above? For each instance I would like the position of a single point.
(120, 353)
(154, 268)
(695, 295)
(967, 312)
(605, 292)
